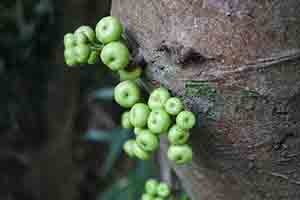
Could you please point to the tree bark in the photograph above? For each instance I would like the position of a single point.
(236, 65)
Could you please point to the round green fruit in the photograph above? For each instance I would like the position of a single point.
(69, 40)
(158, 98)
(115, 55)
(177, 135)
(151, 186)
(173, 106)
(147, 197)
(138, 130)
(163, 190)
(147, 141)
(180, 154)
(159, 121)
(83, 52)
(186, 119)
(109, 29)
(139, 115)
(81, 38)
(127, 93)
(93, 57)
(125, 120)
(88, 32)
(128, 147)
(133, 74)
(70, 56)
(140, 153)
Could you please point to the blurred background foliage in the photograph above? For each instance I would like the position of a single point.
(31, 65)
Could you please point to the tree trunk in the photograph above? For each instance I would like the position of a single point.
(236, 64)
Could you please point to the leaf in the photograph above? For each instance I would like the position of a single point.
(131, 187)
(115, 149)
(104, 93)
(94, 135)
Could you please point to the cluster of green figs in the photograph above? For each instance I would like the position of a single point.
(161, 114)
(155, 190)
(158, 190)
(152, 119)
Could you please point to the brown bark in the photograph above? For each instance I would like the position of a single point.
(236, 64)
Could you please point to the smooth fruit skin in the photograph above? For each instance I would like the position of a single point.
(158, 98)
(127, 93)
(151, 186)
(115, 55)
(177, 135)
(109, 29)
(69, 40)
(180, 154)
(159, 198)
(130, 75)
(140, 153)
(186, 119)
(125, 120)
(159, 121)
(70, 56)
(173, 106)
(93, 57)
(147, 197)
(163, 190)
(138, 130)
(128, 147)
(147, 141)
(81, 38)
(82, 52)
(139, 115)
(88, 32)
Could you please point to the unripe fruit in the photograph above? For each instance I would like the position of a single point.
(159, 198)
(147, 197)
(163, 190)
(93, 57)
(133, 74)
(128, 147)
(69, 40)
(70, 56)
(177, 135)
(173, 106)
(71, 62)
(159, 121)
(139, 115)
(109, 29)
(186, 119)
(125, 120)
(138, 130)
(158, 98)
(88, 32)
(82, 52)
(127, 93)
(81, 38)
(151, 186)
(140, 153)
(115, 55)
(180, 154)
(147, 141)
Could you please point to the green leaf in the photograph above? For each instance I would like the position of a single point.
(94, 135)
(115, 148)
(132, 186)
(104, 93)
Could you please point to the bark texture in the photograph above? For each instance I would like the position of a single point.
(236, 64)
